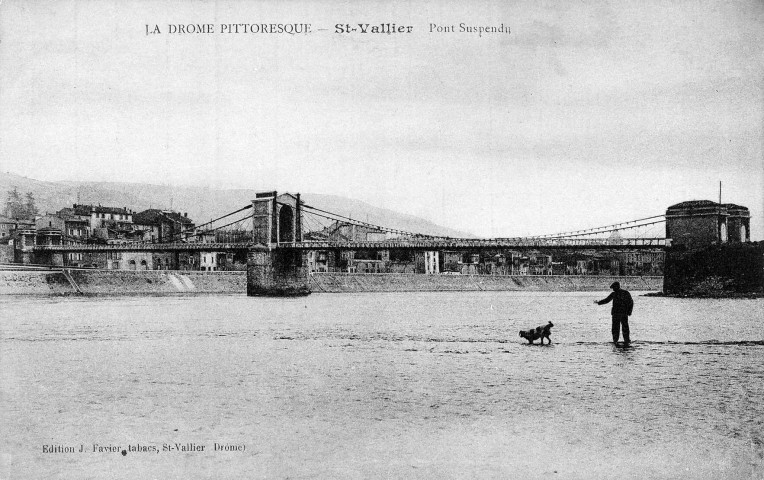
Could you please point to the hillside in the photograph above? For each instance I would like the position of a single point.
(201, 204)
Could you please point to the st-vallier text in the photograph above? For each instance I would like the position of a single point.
(145, 448)
(373, 28)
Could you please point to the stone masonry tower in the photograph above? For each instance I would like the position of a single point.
(700, 223)
(274, 266)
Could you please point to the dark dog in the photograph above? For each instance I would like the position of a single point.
(539, 332)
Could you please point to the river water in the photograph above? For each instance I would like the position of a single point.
(394, 385)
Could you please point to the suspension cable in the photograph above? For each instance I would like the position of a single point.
(593, 230)
(361, 223)
(601, 231)
(224, 216)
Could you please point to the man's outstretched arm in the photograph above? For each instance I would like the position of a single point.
(606, 300)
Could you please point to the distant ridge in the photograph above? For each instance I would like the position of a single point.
(201, 203)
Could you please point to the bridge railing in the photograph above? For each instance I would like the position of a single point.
(434, 244)
(484, 243)
(146, 247)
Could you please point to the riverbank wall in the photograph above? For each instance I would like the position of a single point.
(715, 271)
(151, 282)
(120, 282)
(403, 282)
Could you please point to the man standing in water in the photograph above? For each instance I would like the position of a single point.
(622, 307)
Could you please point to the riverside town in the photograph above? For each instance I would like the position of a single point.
(285, 246)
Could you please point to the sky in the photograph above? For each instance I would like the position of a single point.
(586, 114)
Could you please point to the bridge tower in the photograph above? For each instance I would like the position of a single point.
(698, 224)
(274, 266)
(710, 252)
(277, 219)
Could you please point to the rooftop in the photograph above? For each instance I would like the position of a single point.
(155, 216)
(695, 204)
(706, 205)
(732, 206)
(80, 209)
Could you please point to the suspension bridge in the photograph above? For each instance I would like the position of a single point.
(285, 240)
(283, 221)
(281, 235)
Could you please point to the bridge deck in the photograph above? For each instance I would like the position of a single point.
(436, 244)
(456, 244)
(150, 247)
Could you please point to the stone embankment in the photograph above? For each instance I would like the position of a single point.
(717, 271)
(34, 283)
(402, 282)
(123, 282)
(120, 282)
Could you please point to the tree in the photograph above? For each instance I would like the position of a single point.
(30, 207)
(13, 206)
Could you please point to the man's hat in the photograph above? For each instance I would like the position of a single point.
(615, 285)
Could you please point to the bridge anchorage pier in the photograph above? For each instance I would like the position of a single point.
(277, 273)
(273, 268)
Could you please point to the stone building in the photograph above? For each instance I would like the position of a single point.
(450, 261)
(99, 216)
(540, 264)
(7, 226)
(318, 261)
(73, 229)
(366, 266)
(640, 262)
(164, 225)
(700, 223)
(67, 225)
(94, 221)
(520, 264)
